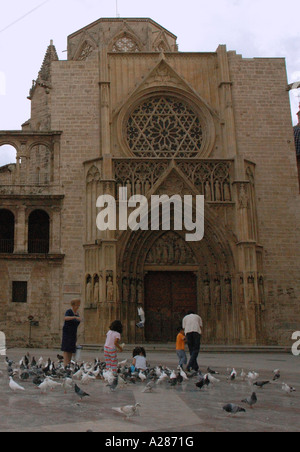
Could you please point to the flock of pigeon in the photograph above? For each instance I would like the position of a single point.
(51, 375)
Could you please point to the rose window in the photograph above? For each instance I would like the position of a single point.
(125, 44)
(164, 127)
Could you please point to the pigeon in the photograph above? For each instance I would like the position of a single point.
(53, 384)
(251, 401)
(86, 378)
(233, 409)
(162, 378)
(233, 375)
(128, 410)
(261, 384)
(142, 376)
(142, 317)
(287, 389)
(276, 375)
(81, 394)
(212, 379)
(123, 363)
(113, 386)
(243, 375)
(67, 384)
(44, 386)
(78, 374)
(14, 386)
(183, 374)
(252, 376)
(204, 381)
(212, 372)
(149, 387)
(109, 376)
(173, 379)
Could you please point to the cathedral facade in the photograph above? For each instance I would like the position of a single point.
(127, 109)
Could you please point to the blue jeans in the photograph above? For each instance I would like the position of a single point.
(182, 357)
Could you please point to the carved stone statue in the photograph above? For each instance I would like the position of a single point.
(133, 291)
(217, 293)
(241, 291)
(228, 291)
(125, 289)
(251, 289)
(96, 293)
(140, 293)
(227, 194)
(208, 194)
(243, 198)
(218, 194)
(89, 292)
(207, 298)
(110, 289)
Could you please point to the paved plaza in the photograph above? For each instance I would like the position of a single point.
(182, 409)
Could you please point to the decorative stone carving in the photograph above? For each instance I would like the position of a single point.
(251, 289)
(170, 249)
(93, 175)
(125, 290)
(228, 291)
(138, 176)
(96, 290)
(212, 179)
(125, 44)
(133, 291)
(164, 126)
(217, 293)
(140, 292)
(243, 198)
(206, 292)
(89, 291)
(109, 289)
(86, 51)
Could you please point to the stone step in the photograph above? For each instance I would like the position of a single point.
(170, 347)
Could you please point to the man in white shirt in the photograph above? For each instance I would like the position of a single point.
(192, 325)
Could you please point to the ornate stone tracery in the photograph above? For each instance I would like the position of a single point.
(125, 44)
(86, 51)
(164, 126)
(170, 249)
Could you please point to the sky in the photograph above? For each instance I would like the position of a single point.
(254, 28)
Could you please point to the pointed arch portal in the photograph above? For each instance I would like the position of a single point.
(169, 276)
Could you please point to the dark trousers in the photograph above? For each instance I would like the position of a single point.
(194, 343)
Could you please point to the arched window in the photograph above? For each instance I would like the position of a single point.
(38, 232)
(7, 231)
(8, 157)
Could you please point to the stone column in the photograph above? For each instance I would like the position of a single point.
(20, 230)
(225, 87)
(55, 232)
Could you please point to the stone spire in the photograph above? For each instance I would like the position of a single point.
(51, 55)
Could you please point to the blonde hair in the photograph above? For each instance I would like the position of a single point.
(75, 302)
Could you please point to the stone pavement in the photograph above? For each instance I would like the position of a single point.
(172, 410)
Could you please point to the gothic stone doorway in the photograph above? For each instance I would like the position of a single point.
(168, 297)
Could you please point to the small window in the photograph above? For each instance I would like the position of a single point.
(19, 294)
